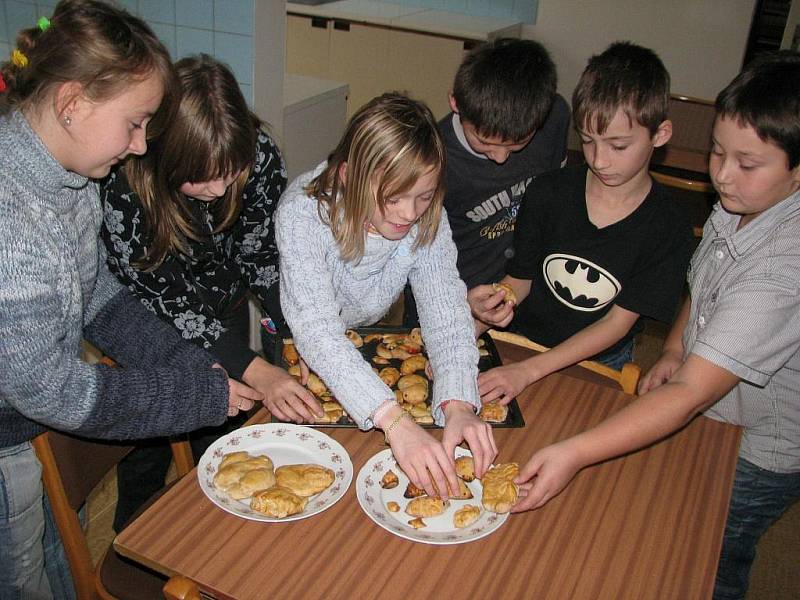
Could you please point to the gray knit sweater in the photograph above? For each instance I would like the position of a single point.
(55, 289)
(321, 296)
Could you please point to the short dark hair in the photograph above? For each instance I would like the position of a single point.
(506, 87)
(766, 96)
(625, 76)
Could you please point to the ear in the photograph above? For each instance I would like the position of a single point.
(452, 101)
(343, 172)
(68, 99)
(662, 134)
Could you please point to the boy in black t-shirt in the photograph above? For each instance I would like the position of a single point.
(597, 245)
(508, 125)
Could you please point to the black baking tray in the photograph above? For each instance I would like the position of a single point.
(513, 419)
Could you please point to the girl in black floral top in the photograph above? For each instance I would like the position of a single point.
(189, 229)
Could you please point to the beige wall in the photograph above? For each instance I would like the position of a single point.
(701, 42)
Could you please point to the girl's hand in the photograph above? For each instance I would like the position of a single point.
(489, 306)
(462, 424)
(547, 473)
(502, 384)
(240, 396)
(661, 372)
(421, 457)
(284, 397)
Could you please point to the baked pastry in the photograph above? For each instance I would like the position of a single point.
(510, 297)
(233, 457)
(230, 475)
(493, 412)
(371, 337)
(464, 493)
(294, 371)
(380, 360)
(354, 338)
(235, 465)
(415, 394)
(289, 353)
(382, 351)
(417, 523)
(500, 493)
(333, 411)
(400, 352)
(466, 516)
(251, 482)
(413, 491)
(413, 364)
(425, 506)
(278, 502)
(392, 507)
(409, 380)
(389, 375)
(389, 480)
(315, 385)
(305, 479)
(465, 468)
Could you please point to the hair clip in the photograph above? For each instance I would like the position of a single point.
(43, 23)
(3, 86)
(19, 59)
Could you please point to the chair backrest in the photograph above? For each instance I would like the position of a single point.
(699, 195)
(627, 378)
(692, 122)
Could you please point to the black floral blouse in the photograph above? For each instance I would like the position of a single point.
(204, 296)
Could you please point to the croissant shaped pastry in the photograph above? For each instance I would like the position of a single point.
(413, 364)
(413, 491)
(500, 493)
(278, 502)
(305, 479)
(389, 480)
(425, 506)
(465, 468)
(466, 516)
(252, 481)
(493, 412)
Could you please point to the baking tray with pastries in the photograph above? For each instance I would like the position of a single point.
(398, 357)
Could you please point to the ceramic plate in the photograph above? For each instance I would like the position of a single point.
(285, 444)
(439, 530)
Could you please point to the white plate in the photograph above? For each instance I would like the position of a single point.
(439, 530)
(285, 444)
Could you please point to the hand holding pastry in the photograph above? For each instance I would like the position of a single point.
(547, 473)
(462, 424)
(419, 454)
(489, 306)
(284, 397)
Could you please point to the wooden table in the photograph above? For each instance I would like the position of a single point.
(648, 525)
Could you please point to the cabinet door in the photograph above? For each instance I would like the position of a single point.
(307, 46)
(424, 66)
(359, 57)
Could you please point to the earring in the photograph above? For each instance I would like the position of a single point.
(67, 120)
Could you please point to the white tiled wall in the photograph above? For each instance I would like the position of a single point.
(222, 28)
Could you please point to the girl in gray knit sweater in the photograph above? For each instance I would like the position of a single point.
(350, 235)
(78, 96)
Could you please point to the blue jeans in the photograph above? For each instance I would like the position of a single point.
(618, 358)
(32, 560)
(759, 498)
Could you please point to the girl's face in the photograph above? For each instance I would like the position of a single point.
(208, 191)
(105, 132)
(402, 210)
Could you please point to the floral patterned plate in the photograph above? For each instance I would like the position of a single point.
(285, 444)
(439, 530)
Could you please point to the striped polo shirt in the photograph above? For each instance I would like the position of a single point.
(745, 318)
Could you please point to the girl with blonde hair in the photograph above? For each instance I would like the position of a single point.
(81, 92)
(189, 230)
(351, 234)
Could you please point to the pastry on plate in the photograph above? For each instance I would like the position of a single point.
(500, 492)
(425, 506)
(417, 523)
(305, 479)
(466, 516)
(492, 412)
(392, 506)
(464, 493)
(278, 502)
(251, 482)
(413, 491)
(389, 480)
(465, 468)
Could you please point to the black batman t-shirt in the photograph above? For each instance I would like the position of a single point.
(578, 272)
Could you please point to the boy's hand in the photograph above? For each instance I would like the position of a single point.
(661, 371)
(240, 396)
(463, 425)
(284, 397)
(490, 306)
(547, 473)
(502, 384)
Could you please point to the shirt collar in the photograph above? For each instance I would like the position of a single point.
(458, 128)
(741, 241)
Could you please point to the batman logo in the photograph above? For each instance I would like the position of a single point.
(578, 283)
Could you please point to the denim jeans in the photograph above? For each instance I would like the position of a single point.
(32, 560)
(617, 359)
(759, 498)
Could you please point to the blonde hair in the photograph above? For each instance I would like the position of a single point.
(101, 47)
(387, 146)
(212, 134)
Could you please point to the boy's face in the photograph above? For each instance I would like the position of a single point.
(622, 153)
(751, 175)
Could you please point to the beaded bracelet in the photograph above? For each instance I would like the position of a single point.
(392, 425)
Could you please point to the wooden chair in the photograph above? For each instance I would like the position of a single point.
(700, 196)
(627, 378)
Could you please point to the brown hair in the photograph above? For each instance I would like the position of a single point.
(103, 48)
(627, 77)
(212, 134)
(391, 141)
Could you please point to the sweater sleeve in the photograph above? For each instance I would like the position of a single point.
(44, 379)
(446, 322)
(311, 309)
